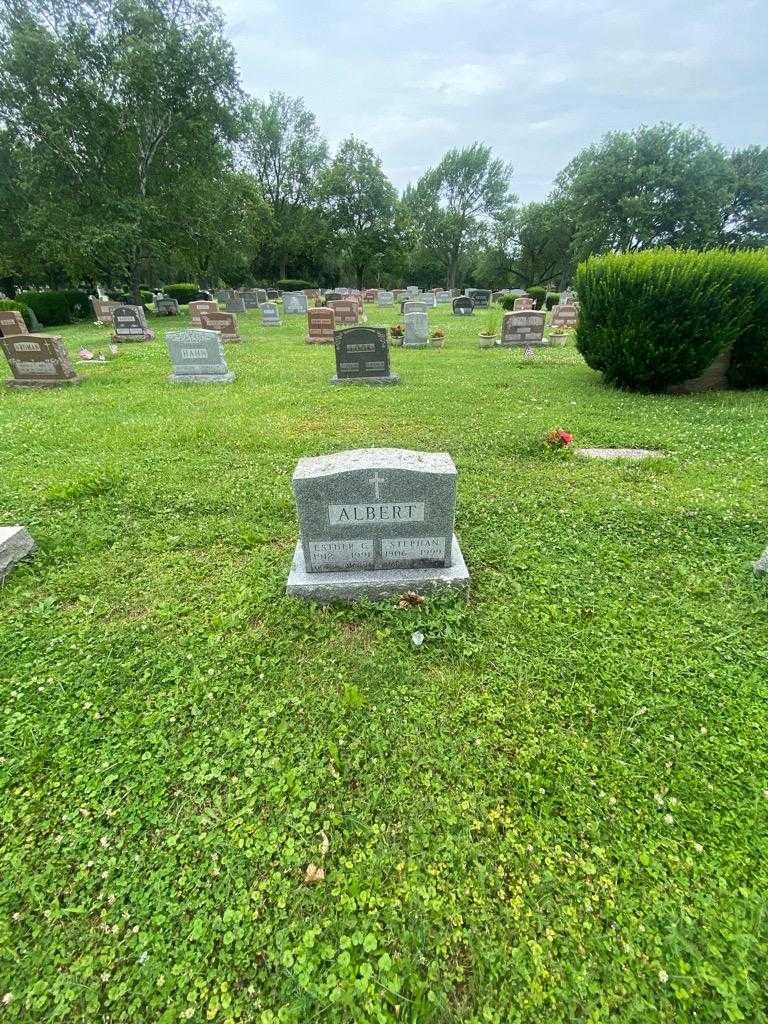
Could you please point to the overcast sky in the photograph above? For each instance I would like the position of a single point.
(535, 81)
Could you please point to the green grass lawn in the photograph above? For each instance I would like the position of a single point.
(556, 809)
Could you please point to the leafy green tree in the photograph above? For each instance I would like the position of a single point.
(361, 202)
(662, 185)
(283, 150)
(116, 102)
(452, 203)
(746, 221)
(531, 246)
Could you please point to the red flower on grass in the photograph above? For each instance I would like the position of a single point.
(559, 438)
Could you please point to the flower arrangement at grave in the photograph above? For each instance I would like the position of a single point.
(438, 333)
(491, 327)
(558, 438)
(397, 330)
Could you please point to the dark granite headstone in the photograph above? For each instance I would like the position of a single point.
(362, 355)
(463, 306)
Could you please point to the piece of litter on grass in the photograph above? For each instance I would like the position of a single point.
(314, 874)
(417, 639)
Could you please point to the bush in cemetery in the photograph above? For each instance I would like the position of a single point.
(749, 285)
(50, 308)
(21, 308)
(146, 297)
(538, 295)
(183, 293)
(79, 303)
(553, 298)
(293, 284)
(657, 318)
(507, 301)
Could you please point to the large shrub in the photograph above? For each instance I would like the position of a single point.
(183, 293)
(294, 284)
(538, 295)
(553, 298)
(657, 318)
(20, 307)
(507, 301)
(79, 303)
(749, 286)
(50, 308)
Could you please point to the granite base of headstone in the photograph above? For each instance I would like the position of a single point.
(15, 544)
(362, 357)
(197, 357)
(761, 565)
(376, 523)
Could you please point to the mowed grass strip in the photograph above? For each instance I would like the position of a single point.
(556, 809)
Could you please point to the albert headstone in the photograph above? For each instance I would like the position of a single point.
(130, 324)
(11, 323)
(196, 310)
(224, 323)
(375, 523)
(524, 329)
(38, 360)
(294, 303)
(416, 330)
(463, 306)
(269, 317)
(197, 357)
(362, 357)
(321, 326)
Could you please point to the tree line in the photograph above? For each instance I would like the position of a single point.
(130, 155)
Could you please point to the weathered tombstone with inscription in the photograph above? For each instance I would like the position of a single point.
(374, 523)
(347, 311)
(269, 317)
(166, 306)
(369, 295)
(385, 299)
(481, 297)
(38, 361)
(223, 294)
(235, 305)
(412, 289)
(103, 310)
(524, 329)
(197, 357)
(442, 298)
(130, 324)
(362, 357)
(321, 326)
(524, 302)
(565, 316)
(272, 294)
(413, 306)
(463, 306)
(11, 323)
(416, 330)
(224, 323)
(294, 303)
(253, 297)
(196, 310)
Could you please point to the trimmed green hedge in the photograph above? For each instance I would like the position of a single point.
(507, 301)
(538, 295)
(20, 307)
(50, 308)
(658, 318)
(553, 298)
(294, 284)
(183, 293)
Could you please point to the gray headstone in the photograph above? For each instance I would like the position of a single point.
(481, 297)
(235, 305)
(412, 289)
(414, 306)
(38, 360)
(294, 303)
(416, 330)
(442, 298)
(15, 544)
(166, 306)
(253, 297)
(373, 523)
(385, 299)
(197, 357)
(362, 356)
(463, 306)
(223, 294)
(269, 317)
(130, 324)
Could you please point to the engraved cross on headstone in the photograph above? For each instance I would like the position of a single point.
(376, 480)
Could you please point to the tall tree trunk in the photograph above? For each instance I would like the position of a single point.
(136, 280)
(283, 267)
(453, 266)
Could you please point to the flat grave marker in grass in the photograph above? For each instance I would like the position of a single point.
(197, 357)
(375, 522)
(38, 361)
(634, 454)
(761, 565)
